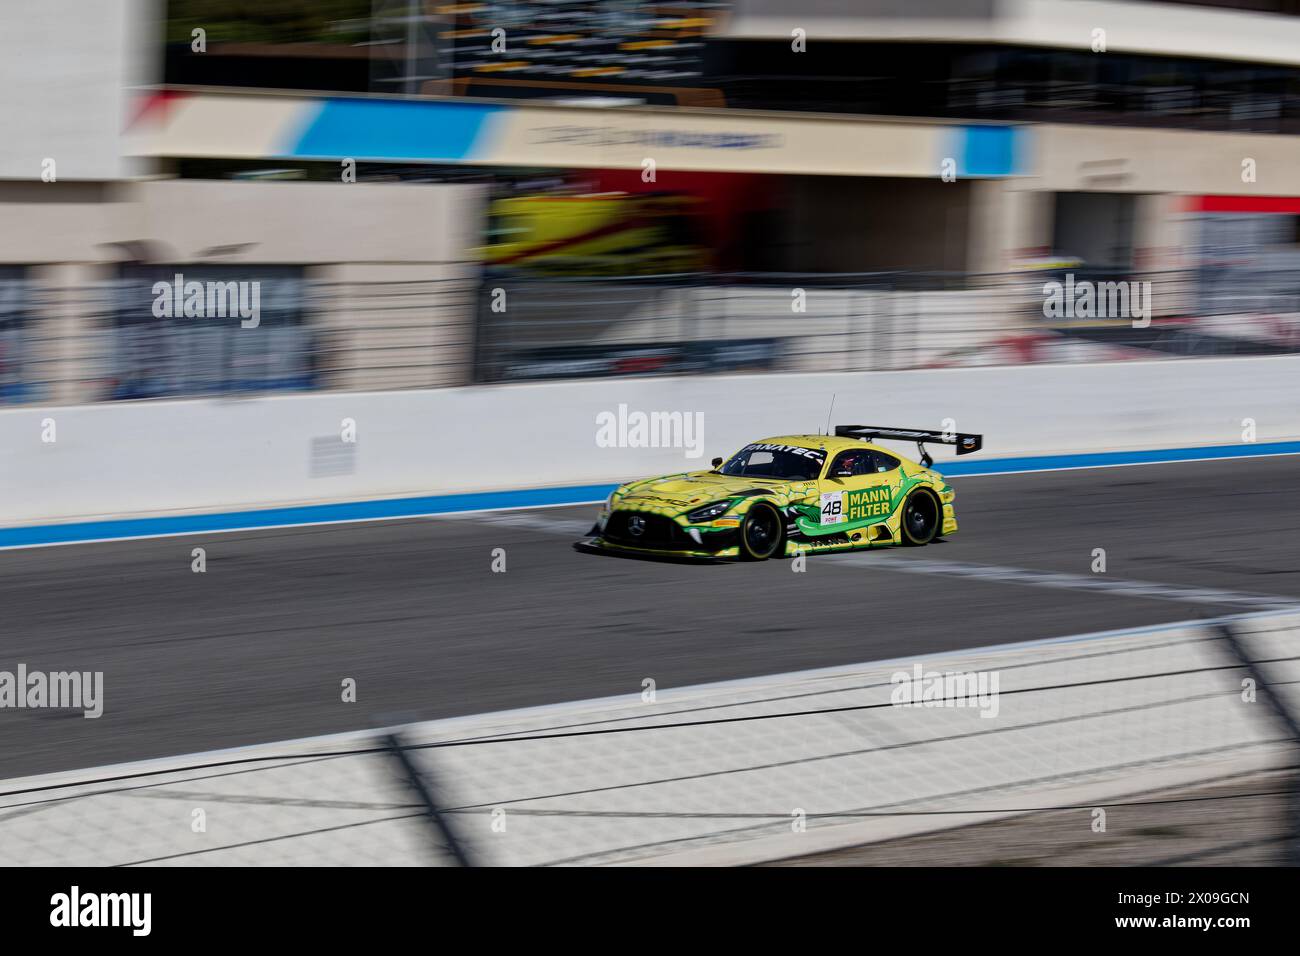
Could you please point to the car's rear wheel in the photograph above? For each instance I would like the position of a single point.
(760, 533)
(922, 517)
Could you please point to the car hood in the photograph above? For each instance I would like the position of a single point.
(697, 488)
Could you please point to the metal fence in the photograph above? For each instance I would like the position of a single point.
(1086, 738)
(102, 342)
(534, 328)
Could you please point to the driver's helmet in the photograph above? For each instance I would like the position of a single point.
(850, 464)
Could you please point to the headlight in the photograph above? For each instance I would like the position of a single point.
(709, 512)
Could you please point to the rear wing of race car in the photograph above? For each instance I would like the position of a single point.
(965, 443)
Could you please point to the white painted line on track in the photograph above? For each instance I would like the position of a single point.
(1121, 587)
(570, 527)
(1061, 580)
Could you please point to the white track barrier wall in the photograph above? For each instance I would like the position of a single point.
(216, 454)
(1080, 722)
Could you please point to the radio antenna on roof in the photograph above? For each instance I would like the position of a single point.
(829, 412)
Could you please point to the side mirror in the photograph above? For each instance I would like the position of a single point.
(717, 462)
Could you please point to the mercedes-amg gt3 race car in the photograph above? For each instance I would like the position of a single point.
(785, 496)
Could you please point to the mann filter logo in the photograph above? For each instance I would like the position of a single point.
(871, 503)
(838, 506)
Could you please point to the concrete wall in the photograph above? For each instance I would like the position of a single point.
(258, 222)
(1129, 159)
(61, 222)
(160, 457)
(65, 66)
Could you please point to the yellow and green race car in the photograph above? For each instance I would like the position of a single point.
(789, 495)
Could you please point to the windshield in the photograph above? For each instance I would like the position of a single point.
(775, 461)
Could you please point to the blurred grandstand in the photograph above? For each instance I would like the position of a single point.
(604, 187)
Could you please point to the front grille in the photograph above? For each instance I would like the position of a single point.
(660, 533)
(664, 534)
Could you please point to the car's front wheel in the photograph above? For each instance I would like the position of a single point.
(922, 517)
(760, 533)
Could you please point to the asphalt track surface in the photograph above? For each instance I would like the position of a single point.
(256, 648)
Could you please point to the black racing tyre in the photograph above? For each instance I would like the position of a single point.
(760, 533)
(922, 518)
